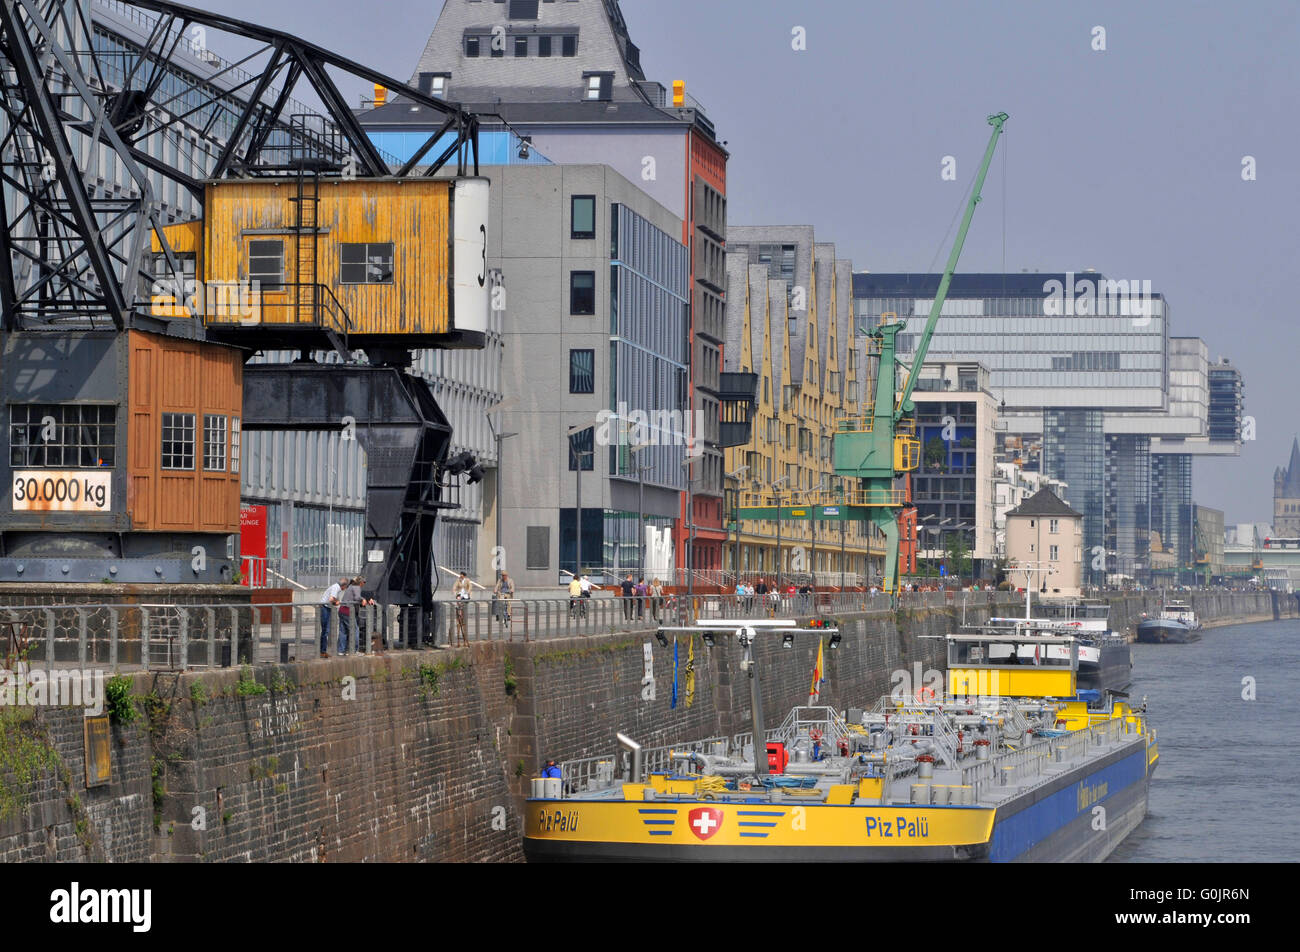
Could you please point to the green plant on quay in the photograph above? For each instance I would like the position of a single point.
(120, 701)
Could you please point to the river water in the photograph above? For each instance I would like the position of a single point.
(1228, 781)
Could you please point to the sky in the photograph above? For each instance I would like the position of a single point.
(1128, 159)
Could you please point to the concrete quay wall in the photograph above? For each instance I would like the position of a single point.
(422, 756)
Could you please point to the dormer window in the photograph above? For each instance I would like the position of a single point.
(434, 84)
(598, 87)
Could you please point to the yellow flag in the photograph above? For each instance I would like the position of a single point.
(690, 671)
(815, 692)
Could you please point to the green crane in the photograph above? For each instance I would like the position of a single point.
(876, 447)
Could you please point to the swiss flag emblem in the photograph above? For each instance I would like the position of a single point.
(704, 822)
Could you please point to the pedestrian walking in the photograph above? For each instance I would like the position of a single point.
(502, 592)
(329, 604)
(640, 591)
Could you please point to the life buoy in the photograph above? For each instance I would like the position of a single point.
(924, 695)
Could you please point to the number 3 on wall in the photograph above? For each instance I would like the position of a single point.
(482, 278)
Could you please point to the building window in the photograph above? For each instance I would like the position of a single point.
(266, 263)
(539, 547)
(523, 10)
(569, 45)
(1053, 525)
(234, 444)
(214, 442)
(366, 263)
(471, 46)
(62, 436)
(434, 84)
(598, 86)
(1053, 553)
(582, 216)
(543, 46)
(582, 371)
(521, 46)
(178, 441)
(582, 292)
(582, 446)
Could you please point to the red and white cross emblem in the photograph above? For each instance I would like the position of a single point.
(705, 821)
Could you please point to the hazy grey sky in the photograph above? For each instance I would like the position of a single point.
(1127, 160)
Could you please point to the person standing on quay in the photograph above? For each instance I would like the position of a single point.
(348, 611)
(328, 603)
(628, 591)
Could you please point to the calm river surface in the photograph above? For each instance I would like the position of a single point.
(1228, 782)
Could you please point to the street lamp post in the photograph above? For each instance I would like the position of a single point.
(690, 525)
(735, 558)
(839, 498)
(821, 489)
(500, 438)
(640, 505)
(779, 563)
(578, 456)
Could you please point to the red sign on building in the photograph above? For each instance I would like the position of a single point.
(252, 545)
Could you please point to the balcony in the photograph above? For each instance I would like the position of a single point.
(738, 400)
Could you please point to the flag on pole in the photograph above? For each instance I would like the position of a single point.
(673, 705)
(815, 692)
(690, 671)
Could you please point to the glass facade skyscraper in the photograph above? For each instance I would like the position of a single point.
(1084, 365)
(1074, 450)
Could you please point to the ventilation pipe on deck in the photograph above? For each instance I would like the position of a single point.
(634, 749)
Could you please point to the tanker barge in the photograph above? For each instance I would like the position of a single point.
(1008, 764)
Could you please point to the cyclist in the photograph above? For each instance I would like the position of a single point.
(576, 605)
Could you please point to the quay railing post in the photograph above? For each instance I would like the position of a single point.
(184, 639)
(211, 618)
(277, 652)
(81, 637)
(112, 638)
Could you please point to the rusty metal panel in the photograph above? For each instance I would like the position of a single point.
(97, 744)
(413, 215)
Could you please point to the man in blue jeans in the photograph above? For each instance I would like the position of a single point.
(328, 604)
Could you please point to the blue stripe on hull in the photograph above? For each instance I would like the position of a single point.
(1046, 829)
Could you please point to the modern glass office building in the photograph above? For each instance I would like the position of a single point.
(1084, 366)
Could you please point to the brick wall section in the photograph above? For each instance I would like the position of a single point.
(60, 820)
(410, 771)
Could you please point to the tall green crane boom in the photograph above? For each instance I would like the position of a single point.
(905, 404)
(870, 450)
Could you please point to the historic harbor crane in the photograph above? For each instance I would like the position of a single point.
(126, 331)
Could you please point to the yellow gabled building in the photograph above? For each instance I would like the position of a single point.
(789, 319)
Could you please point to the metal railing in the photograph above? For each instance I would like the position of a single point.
(176, 637)
(530, 619)
(605, 771)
